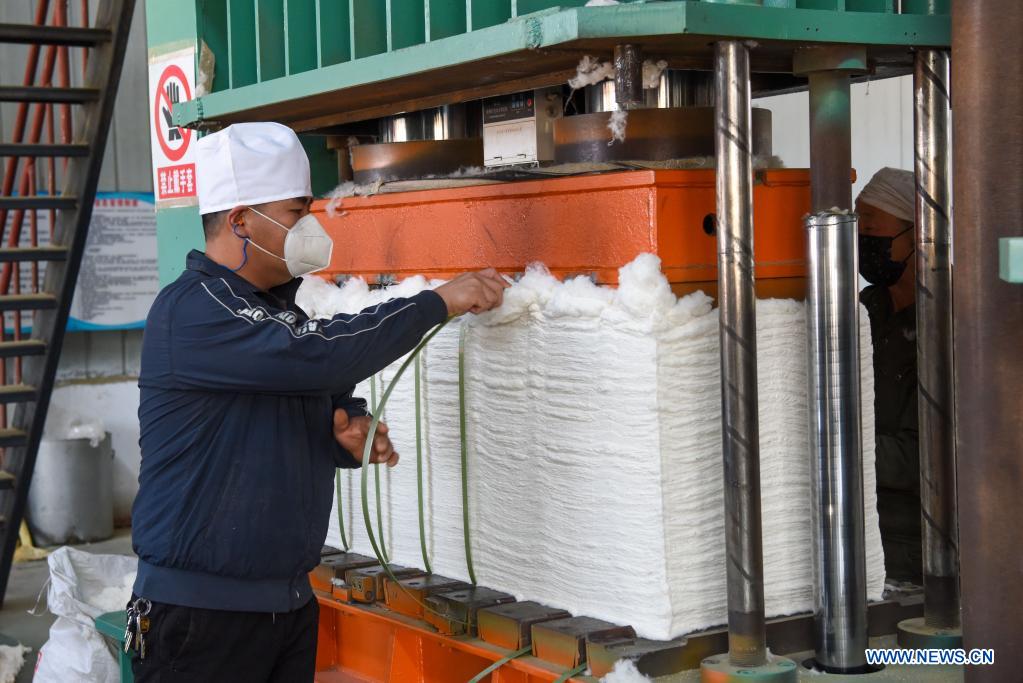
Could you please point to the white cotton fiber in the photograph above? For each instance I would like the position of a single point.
(616, 124)
(590, 70)
(652, 72)
(12, 658)
(594, 450)
(624, 671)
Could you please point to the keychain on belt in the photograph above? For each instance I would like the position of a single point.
(138, 626)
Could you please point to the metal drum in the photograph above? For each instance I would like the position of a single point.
(71, 497)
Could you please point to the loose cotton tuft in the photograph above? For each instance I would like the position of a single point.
(616, 124)
(591, 70)
(652, 73)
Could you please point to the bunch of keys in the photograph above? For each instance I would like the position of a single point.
(138, 626)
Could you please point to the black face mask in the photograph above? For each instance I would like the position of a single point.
(876, 264)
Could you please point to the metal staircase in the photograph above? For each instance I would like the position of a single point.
(37, 280)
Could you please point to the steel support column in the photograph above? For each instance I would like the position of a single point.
(830, 141)
(987, 98)
(840, 613)
(828, 69)
(628, 61)
(737, 302)
(833, 392)
(933, 134)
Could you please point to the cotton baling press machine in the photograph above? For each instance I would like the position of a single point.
(398, 93)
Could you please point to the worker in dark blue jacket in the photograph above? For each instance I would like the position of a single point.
(246, 411)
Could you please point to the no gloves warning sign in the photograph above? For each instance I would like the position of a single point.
(171, 80)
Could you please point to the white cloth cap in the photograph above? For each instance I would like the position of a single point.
(250, 163)
(892, 190)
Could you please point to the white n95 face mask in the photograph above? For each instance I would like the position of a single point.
(307, 248)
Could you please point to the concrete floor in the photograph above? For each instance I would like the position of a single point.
(27, 579)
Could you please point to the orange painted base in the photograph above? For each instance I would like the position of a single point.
(589, 225)
(368, 643)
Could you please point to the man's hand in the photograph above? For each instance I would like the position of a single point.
(473, 292)
(351, 433)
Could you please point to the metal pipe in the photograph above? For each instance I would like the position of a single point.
(988, 151)
(833, 390)
(447, 122)
(933, 134)
(676, 88)
(628, 61)
(830, 141)
(737, 304)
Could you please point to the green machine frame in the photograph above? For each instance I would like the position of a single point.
(319, 64)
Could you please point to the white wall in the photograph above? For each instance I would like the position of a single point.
(882, 127)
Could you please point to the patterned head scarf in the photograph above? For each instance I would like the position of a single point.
(892, 190)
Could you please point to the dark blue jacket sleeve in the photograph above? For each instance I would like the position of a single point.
(225, 342)
(355, 407)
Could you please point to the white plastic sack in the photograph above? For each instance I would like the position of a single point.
(82, 587)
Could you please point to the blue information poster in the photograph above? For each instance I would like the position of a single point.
(118, 279)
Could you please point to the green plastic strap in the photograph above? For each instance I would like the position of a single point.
(499, 663)
(463, 433)
(376, 467)
(571, 672)
(366, 454)
(419, 464)
(340, 511)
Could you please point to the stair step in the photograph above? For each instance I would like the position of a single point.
(15, 149)
(11, 438)
(40, 253)
(6, 481)
(38, 93)
(23, 347)
(17, 393)
(72, 36)
(38, 202)
(27, 302)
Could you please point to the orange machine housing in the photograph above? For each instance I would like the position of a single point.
(581, 225)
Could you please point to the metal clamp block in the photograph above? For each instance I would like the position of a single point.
(334, 566)
(454, 613)
(367, 584)
(509, 626)
(408, 596)
(563, 641)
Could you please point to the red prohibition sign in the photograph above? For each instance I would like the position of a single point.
(172, 71)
